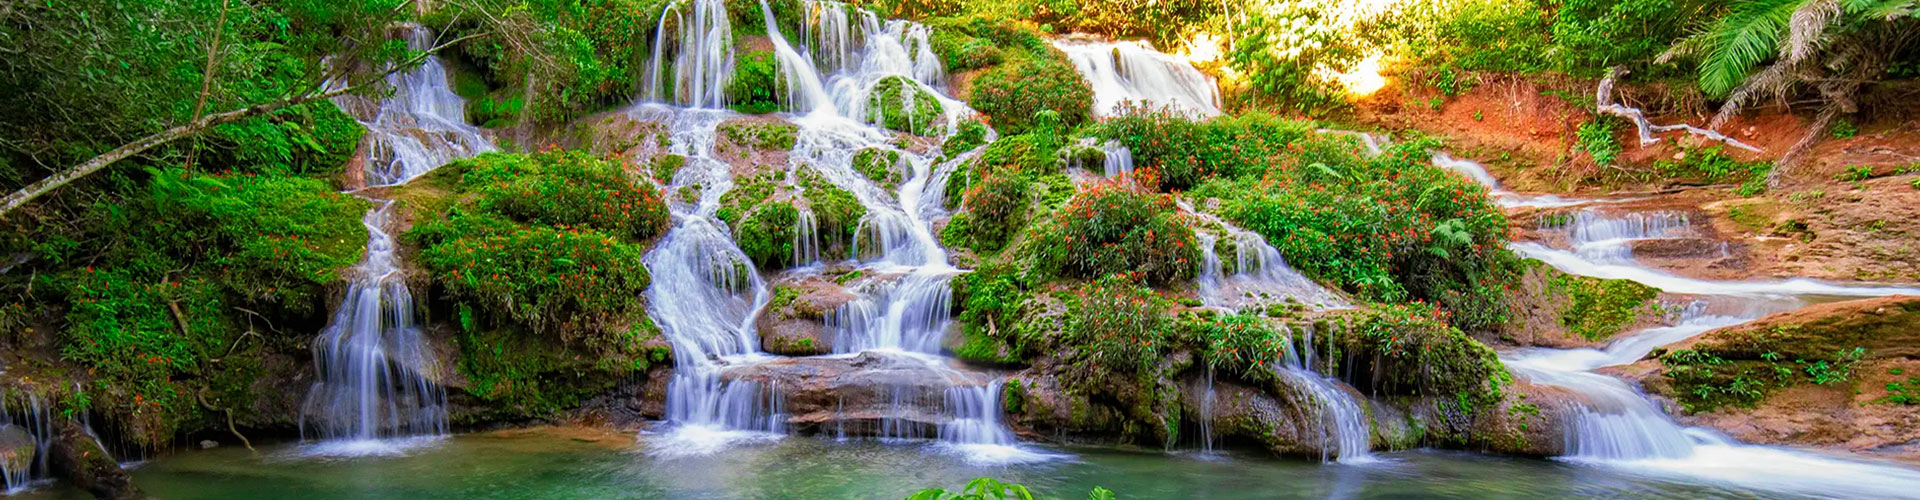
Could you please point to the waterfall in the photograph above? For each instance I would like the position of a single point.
(377, 375)
(422, 126)
(1133, 71)
(703, 58)
(1260, 275)
(704, 296)
(1117, 159)
(26, 426)
(1344, 431)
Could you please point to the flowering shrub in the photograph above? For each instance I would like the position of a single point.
(1185, 152)
(1111, 227)
(997, 206)
(572, 281)
(1121, 325)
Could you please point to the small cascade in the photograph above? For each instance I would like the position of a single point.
(806, 239)
(378, 378)
(1601, 247)
(1118, 159)
(1206, 414)
(1375, 144)
(910, 314)
(1131, 71)
(704, 296)
(701, 55)
(1260, 275)
(422, 126)
(1345, 432)
(974, 416)
(1478, 173)
(26, 435)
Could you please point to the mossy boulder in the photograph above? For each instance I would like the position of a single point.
(880, 165)
(898, 103)
(794, 322)
(1743, 365)
(1555, 309)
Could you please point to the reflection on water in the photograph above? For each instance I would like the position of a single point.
(572, 464)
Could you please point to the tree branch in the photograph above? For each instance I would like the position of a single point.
(196, 126)
(1603, 96)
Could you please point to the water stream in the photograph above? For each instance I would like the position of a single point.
(1133, 72)
(1618, 426)
(379, 388)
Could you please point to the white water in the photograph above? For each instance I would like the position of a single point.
(378, 391)
(1260, 278)
(702, 61)
(1617, 426)
(1117, 159)
(705, 297)
(25, 416)
(424, 125)
(377, 375)
(1131, 71)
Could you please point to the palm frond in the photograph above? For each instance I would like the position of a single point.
(1741, 40)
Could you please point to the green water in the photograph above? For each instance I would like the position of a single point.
(552, 465)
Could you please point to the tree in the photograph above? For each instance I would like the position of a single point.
(92, 83)
(1778, 47)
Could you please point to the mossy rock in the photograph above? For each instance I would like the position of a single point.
(880, 165)
(898, 103)
(757, 85)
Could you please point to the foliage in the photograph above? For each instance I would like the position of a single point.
(880, 165)
(1110, 227)
(971, 135)
(557, 60)
(1121, 326)
(1011, 94)
(1595, 137)
(757, 85)
(986, 488)
(767, 235)
(898, 103)
(1592, 35)
(564, 189)
(168, 270)
(1390, 227)
(996, 206)
(1705, 380)
(837, 212)
(1712, 164)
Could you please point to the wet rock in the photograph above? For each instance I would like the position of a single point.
(1679, 248)
(794, 323)
(858, 394)
(17, 448)
(78, 459)
(1863, 413)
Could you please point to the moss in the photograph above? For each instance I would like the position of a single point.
(959, 51)
(523, 375)
(757, 84)
(836, 211)
(880, 165)
(971, 134)
(770, 136)
(1602, 308)
(748, 192)
(767, 235)
(899, 104)
(1013, 397)
(665, 166)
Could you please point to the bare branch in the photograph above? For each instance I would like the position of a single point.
(1603, 95)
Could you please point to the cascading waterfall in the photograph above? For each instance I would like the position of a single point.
(377, 375)
(1618, 426)
(1345, 434)
(1131, 71)
(26, 427)
(422, 126)
(704, 296)
(703, 59)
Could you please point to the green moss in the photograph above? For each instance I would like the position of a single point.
(971, 134)
(880, 165)
(899, 103)
(836, 211)
(769, 136)
(767, 235)
(1601, 308)
(665, 166)
(757, 85)
(526, 376)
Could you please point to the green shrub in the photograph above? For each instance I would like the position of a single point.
(567, 188)
(767, 235)
(1121, 325)
(575, 282)
(971, 135)
(1595, 137)
(310, 139)
(1012, 93)
(756, 87)
(1185, 153)
(996, 208)
(1109, 228)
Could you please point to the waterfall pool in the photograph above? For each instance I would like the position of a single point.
(572, 463)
